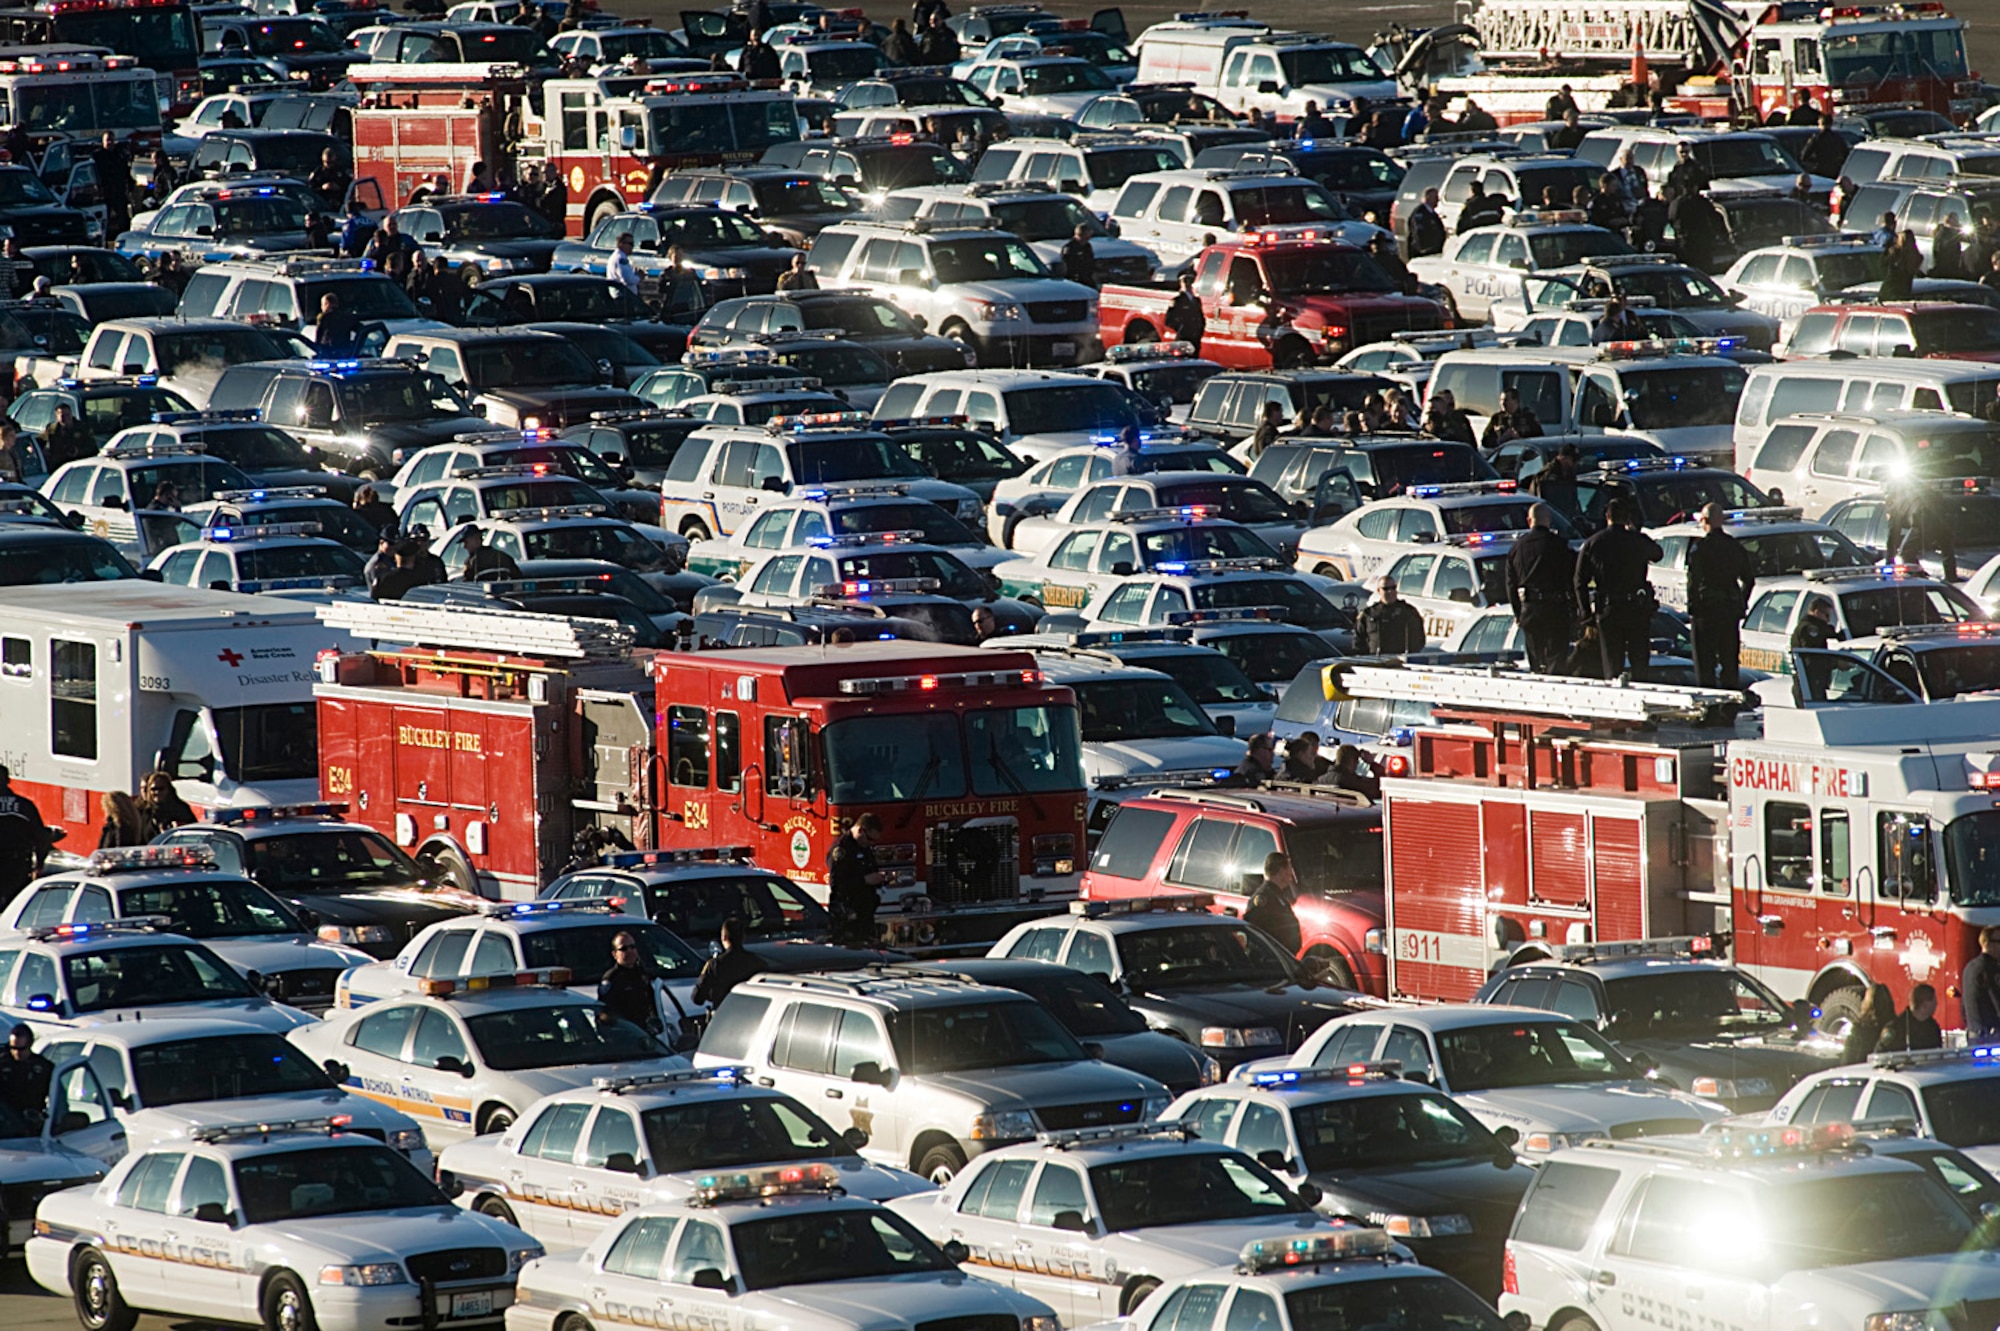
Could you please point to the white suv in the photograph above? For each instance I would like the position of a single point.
(1175, 213)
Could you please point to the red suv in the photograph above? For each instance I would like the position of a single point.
(1215, 841)
(1920, 328)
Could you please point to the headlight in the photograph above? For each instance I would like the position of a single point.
(1544, 1142)
(998, 311)
(718, 274)
(1007, 1125)
(371, 1273)
(1726, 1088)
(1422, 1226)
(406, 1139)
(1929, 1319)
(520, 1257)
(1238, 1037)
(354, 933)
(1040, 1324)
(1211, 1071)
(968, 510)
(1155, 1106)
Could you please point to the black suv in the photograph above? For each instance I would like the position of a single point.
(1231, 403)
(493, 234)
(357, 413)
(34, 213)
(792, 203)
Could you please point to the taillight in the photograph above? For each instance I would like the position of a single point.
(1510, 1282)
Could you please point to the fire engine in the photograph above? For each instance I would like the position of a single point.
(1848, 57)
(159, 35)
(601, 135)
(492, 746)
(102, 683)
(1850, 844)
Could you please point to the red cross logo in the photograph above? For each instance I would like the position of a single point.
(230, 657)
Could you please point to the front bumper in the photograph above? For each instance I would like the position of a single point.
(347, 1308)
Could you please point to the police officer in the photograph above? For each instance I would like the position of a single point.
(728, 968)
(852, 882)
(24, 1075)
(1612, 568)
(627, 988)
(1541, 584)
(1815, 630)
(1389, 626)
(1720, 576)
(24, 840)
(1270, 906)
(1919, 524)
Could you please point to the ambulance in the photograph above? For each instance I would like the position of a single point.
(102, 683)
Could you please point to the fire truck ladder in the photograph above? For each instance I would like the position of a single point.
(478, 628)
(1500, 694)
(1598, 30)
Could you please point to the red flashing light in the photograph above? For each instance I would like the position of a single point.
(1508, 487)
(927, 683)
(904, 137)
(1396, 765)
(1510, 1279)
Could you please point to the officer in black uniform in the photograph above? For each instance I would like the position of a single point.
(24, 839)
(728, 968)
(24, 1075)
(1611, 583)
(1815, 631)
(852, 881)
(627, 988)
(1720, 576)
(1541, 585)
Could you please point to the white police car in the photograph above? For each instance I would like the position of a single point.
(578, 1160)
(1787, 279)
(1486, 264)
(1238, 499)
(1864, 601)
(581, 531)
(1779, 541)
(281, 557)
(1093, 557)
(1048, 484)
(1140, 727)
(1197, 592)
(771, 1247)
(692, 890)
(467, 1056)
(1451, 584)
(1942, 1092)
(288, 1225)
(824, 515)
(1364, 541)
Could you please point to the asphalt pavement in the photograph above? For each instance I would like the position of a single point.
(26, 1306)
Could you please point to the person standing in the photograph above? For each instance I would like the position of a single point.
(483, 561)
(1480, 209)
(1688, 176)
(938, 45)
(1947, 248)
(1270, 906)
(1562, 104)
(1720, 575)
(1815, 630)
(1919, 523)
(1915, 1027)
(619, 268)
(1878, 1010)
(1555, 483)
(1425, 233)
(1388, 625)
(798, 277)
(1826, 152)
(1079, 260)
(1900, 263)
(25, 1074)
(1618, 323)
(1541, 585)
(329, 182)
(1512, 421)
(728, 968)
(1185, 319)
(24, 839)
(1803, 111)
(1613, 586)
(114, 177)
(1566, 139)
(1443, 419)
(161, 805)
(1260, 762)
(1697, 225)
(626, 990)
(123, 824)
(1979, 987)
(854, 883)
(65, 438)
(337, 331)
(899, 47)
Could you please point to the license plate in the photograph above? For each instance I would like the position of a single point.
(477, 1303)
(1062, 348)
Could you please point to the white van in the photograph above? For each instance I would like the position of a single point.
(1818, 460)
(1863, 384)
(1250, 67)
(1173, 213)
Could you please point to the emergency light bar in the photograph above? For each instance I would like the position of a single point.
(728, 356)
(859, 587)
(1465, 488)
(135, 449)
(503, 469)
(274, 813)
(1693, 945)
(638, 414)
(1173, 777)
(1145, 351)
(1763, 1143)
(555, 977)
(736, 1074)
(1342, 1244)
(1182, 901)
(1465, 539)
(1647, 464)
(1891, 569)
(1742, 516)
(1545, 217)
(264, 496)
(1971, 628)
(254, 532)
(511, 910)
(1235, 614)
(1187, 512)
(1836, 239)
(237, 416)
(1116, 637)
(1239, 564)
(221, 1132)
(637, 859)
(132, 924)
(1388, 1069)
(551, 512)
(970, 679)
(818, 420)
(1117, 1132)
(914, 422)
(776, 1181)
(1678, 346)
(787, 335)
(134, 858)
(1966, 484)
(1913, 1058)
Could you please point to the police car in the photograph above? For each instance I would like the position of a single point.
(113, 492)
(1049, 85)
(1487, 264)
(1450, 585)
(1783, 281)
(1169, 373)
(1223, 688)
(288, 558)
(1940, 1091)
(532, 446)
(105, 406)
(1766, 1226)
(466, 1056)
(1266, 650)
(1778, 540)
(814, 515)
(289, 505)
(566, 532)
(476, 491)
(69, 1143)
(165, 1079)
(777, 1246)
(754, 404)
(850, 370)
(579, 1159)
(180, 889)
(1362, 543)
(1096, 556)
(882, 569)
(691, 891)
(1664, 490)
(1035, 413)
(1577, 326)
(1553, 1080)
(1201, 593)
(271, 457)
(1048, 485)
(1681, 395)
(1239, 499)
(1863, 600)
(1140, 728)
(1660, 278)
(1396, 1153)
(1092, 1220)
(509, 937)
(1035, 212)
(291, 1224)
(1409, 356)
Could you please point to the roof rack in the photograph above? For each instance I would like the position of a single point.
(476, 627)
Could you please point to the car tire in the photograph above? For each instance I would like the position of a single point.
(1575, 1322)
(1838, 1010)
(1333, 968)
(958, 332)
(94, 1290)
(695, 530)
(1291, 353)
(498, 1119)
(1135, 1294)
(497, 1208)
(942, 1163)
(1139, 333)
(286, 1306)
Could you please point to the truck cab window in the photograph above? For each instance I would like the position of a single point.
(687, 747)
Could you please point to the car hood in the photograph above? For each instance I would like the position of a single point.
(150, 1125)
(1252, 718)
(1908, 1283)
(1775, 184)
(387, 1235)
(1781, 1062)
(553, 407)
(1173, 1063)
(259, 1012)
(1243, 1005)
(1170, 1251)
(291, 952)
(536, 251)
(1021, 288)
(1041, 1084)
(1375, 90)
(1485, 1188)
(537, 1082)
(388, 903)
(897, 1301)
(979, 556)
(1585, 1106)
(858, 1178)
(923, 354)
(412, 435)
(1136, 757)
(22, 1160)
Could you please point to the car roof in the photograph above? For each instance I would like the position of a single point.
(1460, 1016)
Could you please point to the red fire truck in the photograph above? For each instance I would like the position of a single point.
(1853, 843)
(487, 749)
(602, 135)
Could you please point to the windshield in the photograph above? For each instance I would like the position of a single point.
(1063, 76)
(1350, 170)
(655, 445)
(388, 399)
(276, 741)
(964, 1036)
(955, 578)
(1068, 408)
(1965, 1111)
(351, 858)
(1668, 399)
(1331, 857)
(822, 1244)
(1972, 860)
(1528, 1053)
(560, 1035)
(1662, 501)
(23, 189)
(587, 302)
(1837, 1221)
(364, 297)
(1109, 168)
(1560, 249)
(859, 317)
(939, 91)
(1960, 328)
(258, 217)
(194, 478)
(769, 906)
(728, 1132)
(913, 756)
(1794, 552)
(1302, 603)
(738, 129)
(285, 37)
(1402, 465)
(1176, 384)
(1865, 58)
(1848, 269)
(147, 975)
(1690, 1004)
(330, 1180)
(1197, 955)
(646, 43)
(176, 353)
(710, 230)
(859, 458)
(1238, 499)
(1328, 64)
(1054, 218)
(1270, 658)
(108, 413)
(1435, 1303)
(1323, 268)
(1385, 1131)
(222, 1067)
(569, 459)
(1947, 672)
(843, 64)
(213, 909)
(1086, 1006)
(612, 542)
(159, 37)
(60, 106)
(1744, 155)
(906, 166)
(1285, 205)
(496, 221)
(1187, 1187)
(62, 559)
(1208, 677)
(1674, 289)
(985, 260)
(960, 457)
(1117, 710)
(837, 366)
(584, 949)
(260, 564)
(1865, 613)
(542, 362)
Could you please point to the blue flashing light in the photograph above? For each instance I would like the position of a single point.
(815, 495)
(1425, 491)
(1173, 567)
(1221, 773)
(219, 534)
(367, 265)
(490, 198)
(41, 1003)
(1728, 343)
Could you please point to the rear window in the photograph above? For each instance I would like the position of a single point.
(734, 1025)
(1559, 1211)
(1131, 842)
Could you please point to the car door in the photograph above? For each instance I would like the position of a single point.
(985, 1217)
(198, 1221)
(801, 1059)
(539, 1176)
(604, 1181)
(627, 1289)
(1066, 584)
(1053, 1246)
(374, 1052)
(80, 1114)
(1678, 1255)
(133, 1231)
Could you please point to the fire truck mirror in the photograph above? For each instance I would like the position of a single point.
(628, 137)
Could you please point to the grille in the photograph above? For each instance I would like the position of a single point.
(1056, 311)
(457, 1264)
(1656, 1127)
(48, 228)
(985, 1322)
(973, 863)
(294, 985)
(1098, 1114)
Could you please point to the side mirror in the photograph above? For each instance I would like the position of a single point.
(1507, 1136)
(622, 1163)
(1274, 1160)
(1122, 569)
(710, 1278)
(134, 367)
(212, 1213)
(1094, 1049)
(1462, 594)
(114, 501)
(1071, 186)
(254, 978)
(606, 372)
(309, 918)
(955, 1252)
(628, 137)
(1225, 726)
(1309, 1193)
(1269, 87)
(204, 231)
(847, 182)
(450, 1063)
(449, 1185)
(336, 1071)
(854, 1139)
(873, 1074)
(1071, 1222)
(775, 484)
